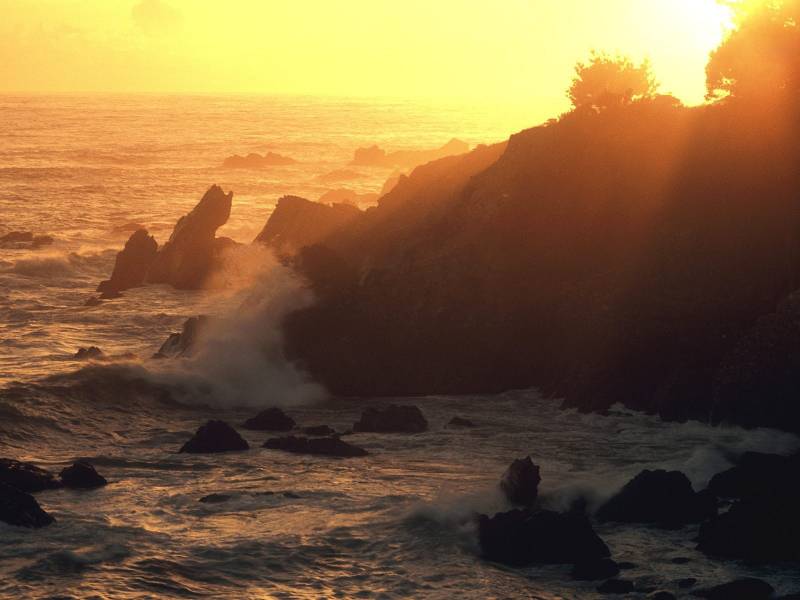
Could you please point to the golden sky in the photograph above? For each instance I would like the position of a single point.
(520, 51)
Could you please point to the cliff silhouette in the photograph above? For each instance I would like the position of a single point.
(634, 250)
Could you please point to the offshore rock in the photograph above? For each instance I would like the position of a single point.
(26, 476)
(131, 265)
(21, 509)
(520, 482)
(392, 419)
(215, 436)
(326, 446)
(271, 419)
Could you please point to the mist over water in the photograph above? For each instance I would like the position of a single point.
(395, 524)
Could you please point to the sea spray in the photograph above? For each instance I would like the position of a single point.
(238, 359)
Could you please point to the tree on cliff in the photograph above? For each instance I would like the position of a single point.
(605, 81)
(761, 58)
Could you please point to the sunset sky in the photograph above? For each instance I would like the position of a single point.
(508, 50)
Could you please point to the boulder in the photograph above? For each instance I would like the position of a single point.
(662, 498)
(215, 436)
(594, 569)
(90, 353)
(318, 430)
(131, 265)
(82, 475)
(185, 342)
(741, 589)
(187, 258)
(21, 509)
(271, 419)
(616, 586)
(520, 482)
(523, 537)
(758, 474)
(460, 422)
(392, 419)
(257, 161)
(26, 477)
(327, 446)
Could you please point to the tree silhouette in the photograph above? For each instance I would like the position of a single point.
(606, 81)
(761, 57)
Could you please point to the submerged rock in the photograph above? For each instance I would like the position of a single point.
(460, 422)
(131, 265)
(215, 436)
(82, 475)
(187, 258)
(271, 419)
(21, 509)
(525, 537)
(90, 353)
(520, 482)
(741, 589)
(257, 161)
(663, 498)
(392, 419)
(328, 446)
(592, 570)
(26, 477)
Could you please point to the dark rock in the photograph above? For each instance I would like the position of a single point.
(680, 560)
(661, 595)
(626, 566)
(90, 353)
(93, 301)
(296, 223)
(345, 196)
(185, 342)
(215, 498)
(663, 498)
(374, 156)
(271, 419)
(26, 477)
(392, 419)
(327, 446)
(131, 265)
(187, 259)
(318, 430)
(741, 589)
(616, 586)
(82, 475)
(14, 237)
(758, 474)
(215, 436)
(257, 161)
(520, 482)
(21, 509)
(592, 570)
(110, 294)
(460, 422)
(524, 537)
(686, 583)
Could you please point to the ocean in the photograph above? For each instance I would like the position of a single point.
(398, 523)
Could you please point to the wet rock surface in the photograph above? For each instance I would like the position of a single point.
(394, 418)
(326, 446)
(26, 477)
(270, 419)
(520, 482)
(82, 475)
(215, 436)
(21, 509)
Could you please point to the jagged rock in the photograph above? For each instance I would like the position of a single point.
(82, 475)
(21, 509)
(524, 537)
(187, 258)
(297, 222)
(520, 482)
(392, 419)
(592, 570)
(460, 422)
(131, 265)
(271, 419)
(257, 161)
(741, 589)
(327, 446)
(26, 476)
(345, 196)
(215, 436)
(663, 498)
(616, 586)
(318, 430)
(185, 342)
(90, 353)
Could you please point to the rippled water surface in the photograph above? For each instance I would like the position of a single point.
(398, 523)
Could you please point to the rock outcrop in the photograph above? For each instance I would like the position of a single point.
(526, 537)
(215, 436)
(520, 482)
(270, 419)
(257, 161)
(21, 509)
(131, 265)
(325, 446)
(185, 342)
(374, 156)
(186, 260)
(392, 419)
(26, 477)
(82, 475)
(662, 498)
